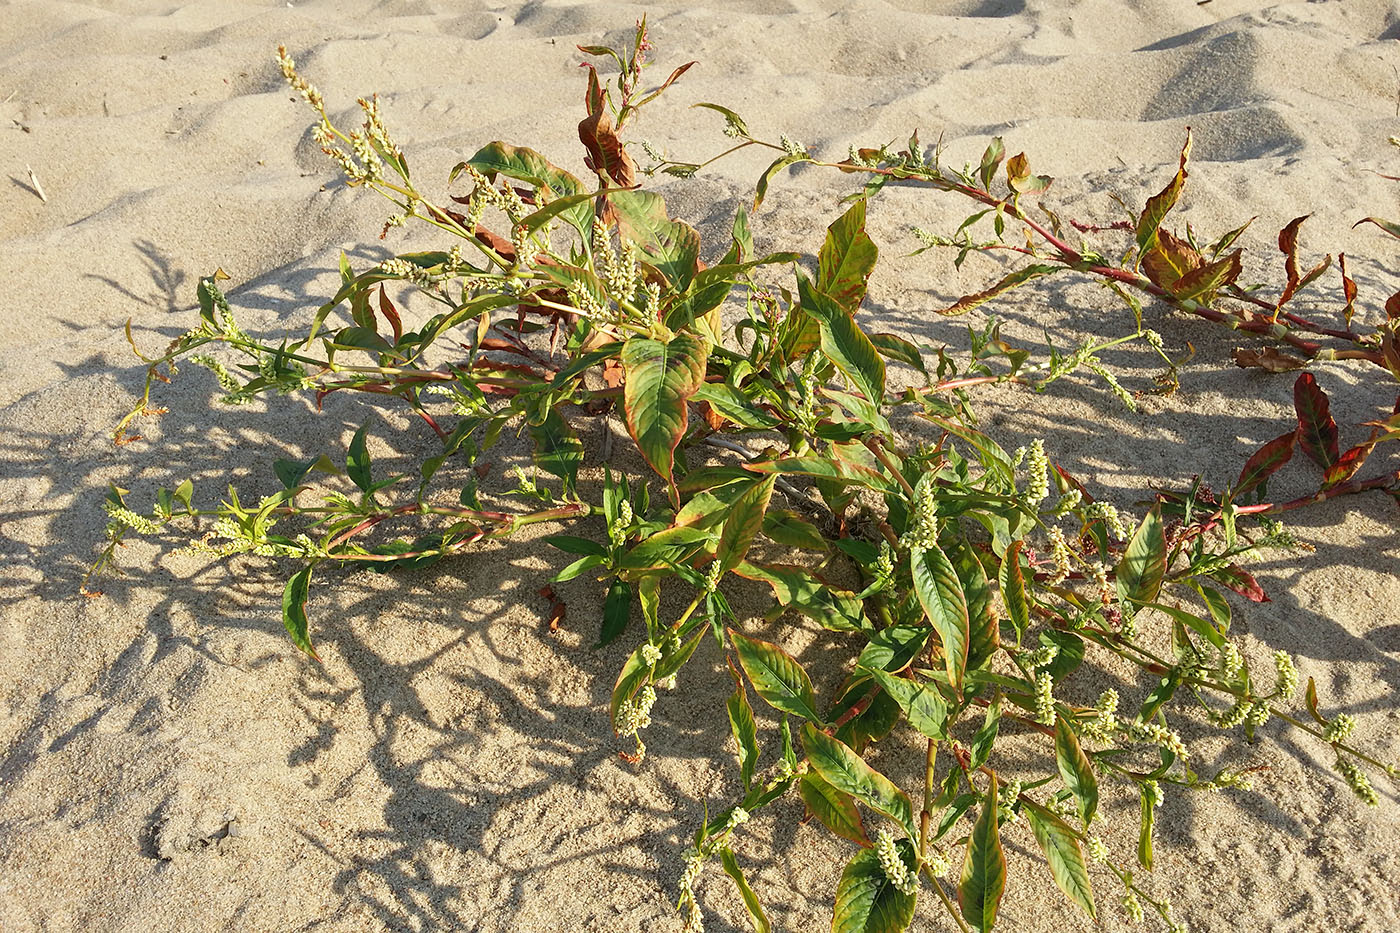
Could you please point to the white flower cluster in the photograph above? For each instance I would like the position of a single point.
(123, 518)
(1357, 780)
(923, 523)
(635, 715)
(892, 865)
(1067, 502)
(1340, 728)
(1037, 472)
(1044, 699)
(1060, 554)
(1111, 520)
(791, 146)
(1286, 678)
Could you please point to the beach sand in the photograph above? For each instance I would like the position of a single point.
(169, 761)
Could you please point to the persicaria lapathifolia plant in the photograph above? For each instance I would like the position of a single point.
(987, 579)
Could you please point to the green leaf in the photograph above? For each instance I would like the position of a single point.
(941, 594)
(743, 524)
(983, 629)
(1005, 284)
(672, 247)
(1061, 847)
(1159, 204)
(896, 348)
(798, 590)
(1144, 562)
(357, 463)
(894, 648)
(787, 527)
(741, 722)
(782, 162)
(573, 545)
(991, 160)
(866, 901)
(1075, 769)
(751, 903)
(835, 809)
(776, 676)
(527, 165)
(579, 567)
(984, 867)
(835, 471)
(1149, 818)
(921, 703)
(1012, 580)
(294, 610)
(845, 344)
(986, 737)
(661, 378)
(634, 673)
(846, 259)
(733, 404)
(616, 607)
(558, 450)
(730, 117)
(846, 771)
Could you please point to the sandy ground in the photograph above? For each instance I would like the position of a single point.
(169, 762)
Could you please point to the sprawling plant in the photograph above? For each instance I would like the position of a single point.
(977, 581)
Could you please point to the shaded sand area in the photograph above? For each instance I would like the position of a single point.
(168, 761)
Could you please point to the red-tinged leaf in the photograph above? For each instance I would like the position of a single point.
(1204, 281)
(391, 314)
(1169, 259)
(593, 98)
(1317, 432)
(846, 259)
(1390, 348)
(1018, 168)
(606, 155)
(744, 521)
(1392, 306)
(1266, 461)
(944, 602)
(1348, 463)
(1388, 226)
(846, 771)
(835, 809)
(1019, 277)
(776, 676)
(1241, 582)
(1269, 359)
(983, 878)
(1144, 561)
(661, 378)
(1288, 245)
(991, 158)
(1348, 289)
(1159, 204)
(667, 83)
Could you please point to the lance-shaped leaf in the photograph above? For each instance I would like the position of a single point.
(1241, 581)
(835, 809)
(922, 704)
(1269, 359)
(1076, 770)
(1264, 463)
(1159, 204)
(1348, 289)
(983, 630)
(776, 676)
(743, 523)
(844, 343)
(983, 876)
(558, 450)
(661, 378)
(782, 162)
(796, 589)
(1204, 281)
(846, 771)
(941, 594)
(671, 246)
(1317, 432)
(1149, 818)
(867, 901)
(991, 158)
(357, 461)
(1169, 259)
(751, 902)
(294, 610)
(1062, 853)
(833, 471)
(1008, 282)
(1348, 463)
(1288, 245)
(741, 722)
(527, 165)
(1012, 581)
(846, 259)
(616, 608)
(1389, 226)
(1144, 562)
